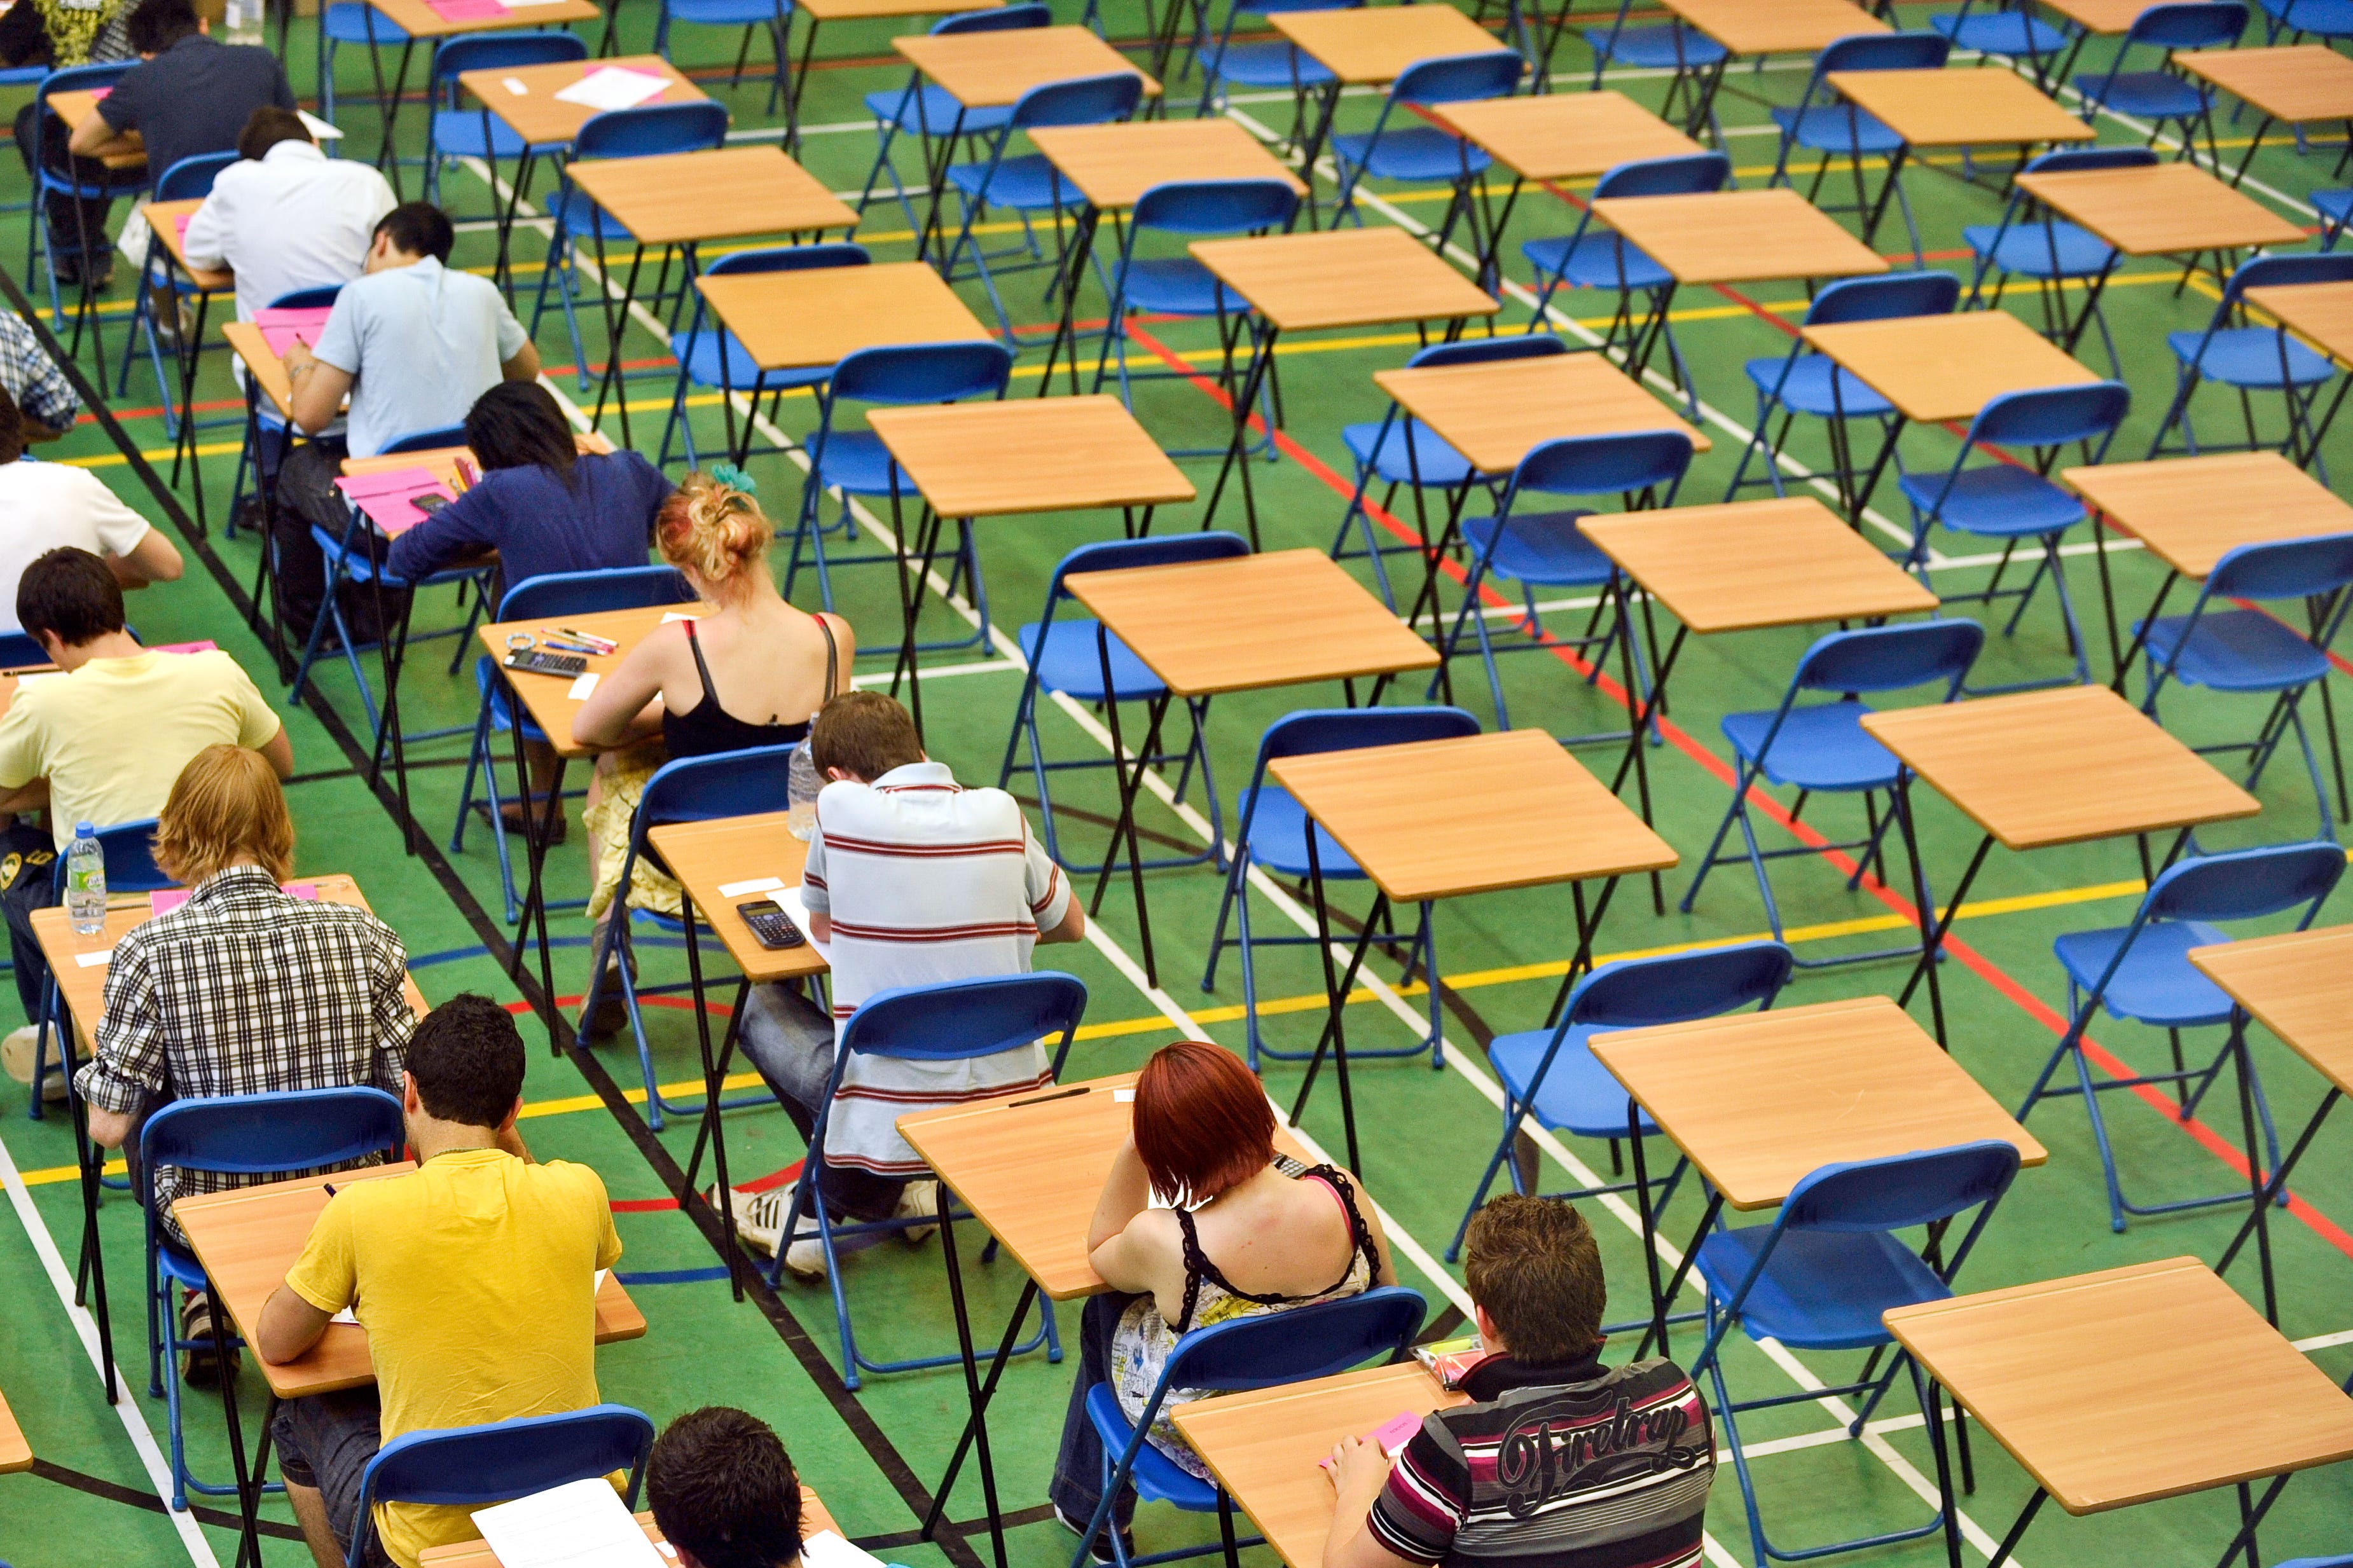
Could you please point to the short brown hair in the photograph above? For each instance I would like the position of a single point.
(1202, 1123)
(226, 809)
(1534, 1265)
(265, 127)
(865, 734)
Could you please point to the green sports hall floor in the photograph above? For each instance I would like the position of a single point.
(873, 1454)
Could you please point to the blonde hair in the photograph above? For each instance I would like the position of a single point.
(226, 809)
(715, 530)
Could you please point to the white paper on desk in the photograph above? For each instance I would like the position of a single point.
(614, 87)
(673, 615)
(320, 129)
(345, 1315)
(38, 675)
(789, 900)
(746, 888)
(581, 688)
(827, 1549)
(582, 1524)
(92, 959)
(515, 84)
(1123, 1097)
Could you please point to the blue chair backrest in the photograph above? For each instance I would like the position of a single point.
(1167, 550)
(473, 1467)
(651, 128)
(2246, 884)
(1081, 101)
(956, 1020)
(504, 51)
(2051, 416)
(1683, 174)
(925, 372)
(1891, 658)
(788, 259)
(1460, 78)
(2279, 271)
(2207, 24)
(1678, 987)
(2079, 159)
(1215, 207)
(1918, 51)
(1606, 465)
(1270, 7)
(266, 1134)
(130, 851)
(1882, 299)
(191, 178)
(2284, 568)
(19, 650)
(81, 78)
(709, 788)
(586, 592)
(1487, 351)
(1315, 1341)
(1900, 1191)
(1004, 19)
(425, 440)
(319, 296)
(1314, 730)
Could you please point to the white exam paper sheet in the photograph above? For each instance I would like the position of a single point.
(789, 900)
(613, 87)
(582, 1524)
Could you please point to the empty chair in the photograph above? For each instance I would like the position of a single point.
(711, 355)
(1686, 51)
(351, 21)
(1406, 147)
(2007, 30)
(2248, 358)
(1821, 748)
(773, 18)
(923, 110)
(453, 131)
(2035, 243)
(1827, 122)
(1274, 64)
(2327, 19)
(471, 1466)
(2142, 972)
(2166, 95)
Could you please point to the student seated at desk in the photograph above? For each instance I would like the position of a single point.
(1638, 1497)
(915, 880)
(189, 95)
(243, 989)
(286, 215)
(1262, 1233)
(53, 506)
(723, 1492)
(57, 34)
(46, 401)
(475, 1276)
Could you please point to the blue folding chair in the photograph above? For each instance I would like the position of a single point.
(1552, 1075)
(1822, 748)
(714, 357)
(130, 851)
(2142, 972)
(1028, 183)
(2010, 501)
(2326, 19)
(2250, 649)
(1065, 656)
(2336, 209)
(344, 22)
(1273, 837)
(41, 246)
(1415, 151)
(648, 131)
(1266, 67)
(556, 596)
(1398, 449)
(1688, 53)
(775, 16)
(1599, 257)
(2167, 94)
(1803, 382)
(186, 180)
(452, 133)
(2250, 358)
(2035, 243)
(855, 463)
(687, 789)
(473, 1467)
(2006, 29)
(1262, 1350)
(1826, 121)
(243, 1135)
(1822, 1274)
(267, 436)
(1547, 550)
(924, 111)
(955, 1020)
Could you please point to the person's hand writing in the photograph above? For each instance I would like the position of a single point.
(1360, 1470)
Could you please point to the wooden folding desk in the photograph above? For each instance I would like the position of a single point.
(164, 221)
(2039, 769)
(1371, 46)
(1520, 813)
(2079, 1379)
(246, 1238)
(1933, 110)
(2321, 314)
(819, 12)
(1313, 283)
(1265, 1446)
(2086, 19)
(1207, 628)
(2292, 85)
(265, 376)
(1761, 1100)
(126, 151)
(815, 1518)
(15, 1454)
(1747, 28)
(412, 20)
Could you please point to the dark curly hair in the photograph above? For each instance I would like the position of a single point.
(723, 1491)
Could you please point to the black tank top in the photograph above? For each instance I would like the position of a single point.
(706, 728)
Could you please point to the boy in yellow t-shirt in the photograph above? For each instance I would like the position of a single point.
(474, 1276)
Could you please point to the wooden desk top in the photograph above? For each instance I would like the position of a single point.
(1520, 812)
(2160, 209)
(1783, 26)
(1496, 414)
(1751, 564)
(548, 698)
(443, 460)
(1264, 1445)
(852, 10)
(13, 681)
(1760, 1100)
(725, 193)
(1371, 45)
(1960, 108)
(1739, 236)
(421, 21)
(1342, 278)
(2106, 18)
(249, 1237)
(15, 1454)
(815, 1517)
(266, 369)
(1284, 618)
(538, 116)
(1029, 454)
(2080, 1379)
(2190, 512)
(706, 855)
(798, 320)
(84, 986)
(2297, 83)
(2299, 985)
(2321, 313)
(1565, 135)
(992, 70)
(1115, 164)
(1939, 368)
(127, 151)
(986, 1151)
(164, 220)
(2066, 766)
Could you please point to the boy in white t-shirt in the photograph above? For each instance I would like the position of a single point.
(46, 505)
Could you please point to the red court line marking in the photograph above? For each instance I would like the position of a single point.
(768, 1183)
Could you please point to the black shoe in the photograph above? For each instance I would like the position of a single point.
(1099, 1549)
(612, 1013)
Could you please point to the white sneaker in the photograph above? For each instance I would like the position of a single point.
(805, 1261)
(919, 1199)
(16, 1060)
(760, 1226)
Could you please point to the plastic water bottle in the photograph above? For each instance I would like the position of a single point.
(86, 881)
(242, 22)
(802, 784)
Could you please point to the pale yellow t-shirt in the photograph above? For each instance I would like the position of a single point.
(474, 1276)
(112, 736)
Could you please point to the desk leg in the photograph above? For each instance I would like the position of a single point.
(1312, 149)
(248, 1480)
(1640, 712)
(537, 824)
(1886, 193)
(392, 655)
(1433, 561)
(1878, 466)
(2257, 1223)
(911, 586)
(1491, 267)
(502, 271)
(711, 1129)
(2074, 330)
(1237, 449)
(2250, 1518)
(2254, 145)
(1947, 1505)
(616, 321)
(1658, 1298)
(2140, 638)
(91, 1163)
(1649, 1221)
(1130, 774)
(978, 1393)
(1082, 246)
(1933, 926)
(794, 86)
(1336, 987)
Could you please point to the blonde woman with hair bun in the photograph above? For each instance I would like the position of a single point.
(753, 674)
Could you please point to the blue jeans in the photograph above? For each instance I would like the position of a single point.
(324, 1442)
(1079, 1463)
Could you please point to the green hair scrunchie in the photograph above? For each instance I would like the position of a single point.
(734, 478)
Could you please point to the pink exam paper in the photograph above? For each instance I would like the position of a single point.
(170, 898)
(468, 10)
(388, 481)
(280, 328)
(180, 227)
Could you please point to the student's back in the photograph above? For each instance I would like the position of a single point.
(422, 343)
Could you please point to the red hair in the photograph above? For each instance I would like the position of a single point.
(1202, 1123)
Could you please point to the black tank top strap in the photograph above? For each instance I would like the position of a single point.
(694, 646)
(1359, 1233)
(1198, 1267)
(832, 663)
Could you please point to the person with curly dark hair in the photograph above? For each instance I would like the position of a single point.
(723, 1491)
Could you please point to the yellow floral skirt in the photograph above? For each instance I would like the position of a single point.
(621, 781)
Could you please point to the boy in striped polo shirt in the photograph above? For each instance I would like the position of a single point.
(1561, 1462)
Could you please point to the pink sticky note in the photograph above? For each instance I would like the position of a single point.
(180, 226)
(307, 892)
(98, 92)
(184, 647)
(468, 10)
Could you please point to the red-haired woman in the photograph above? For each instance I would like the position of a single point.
(1238, 1231)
